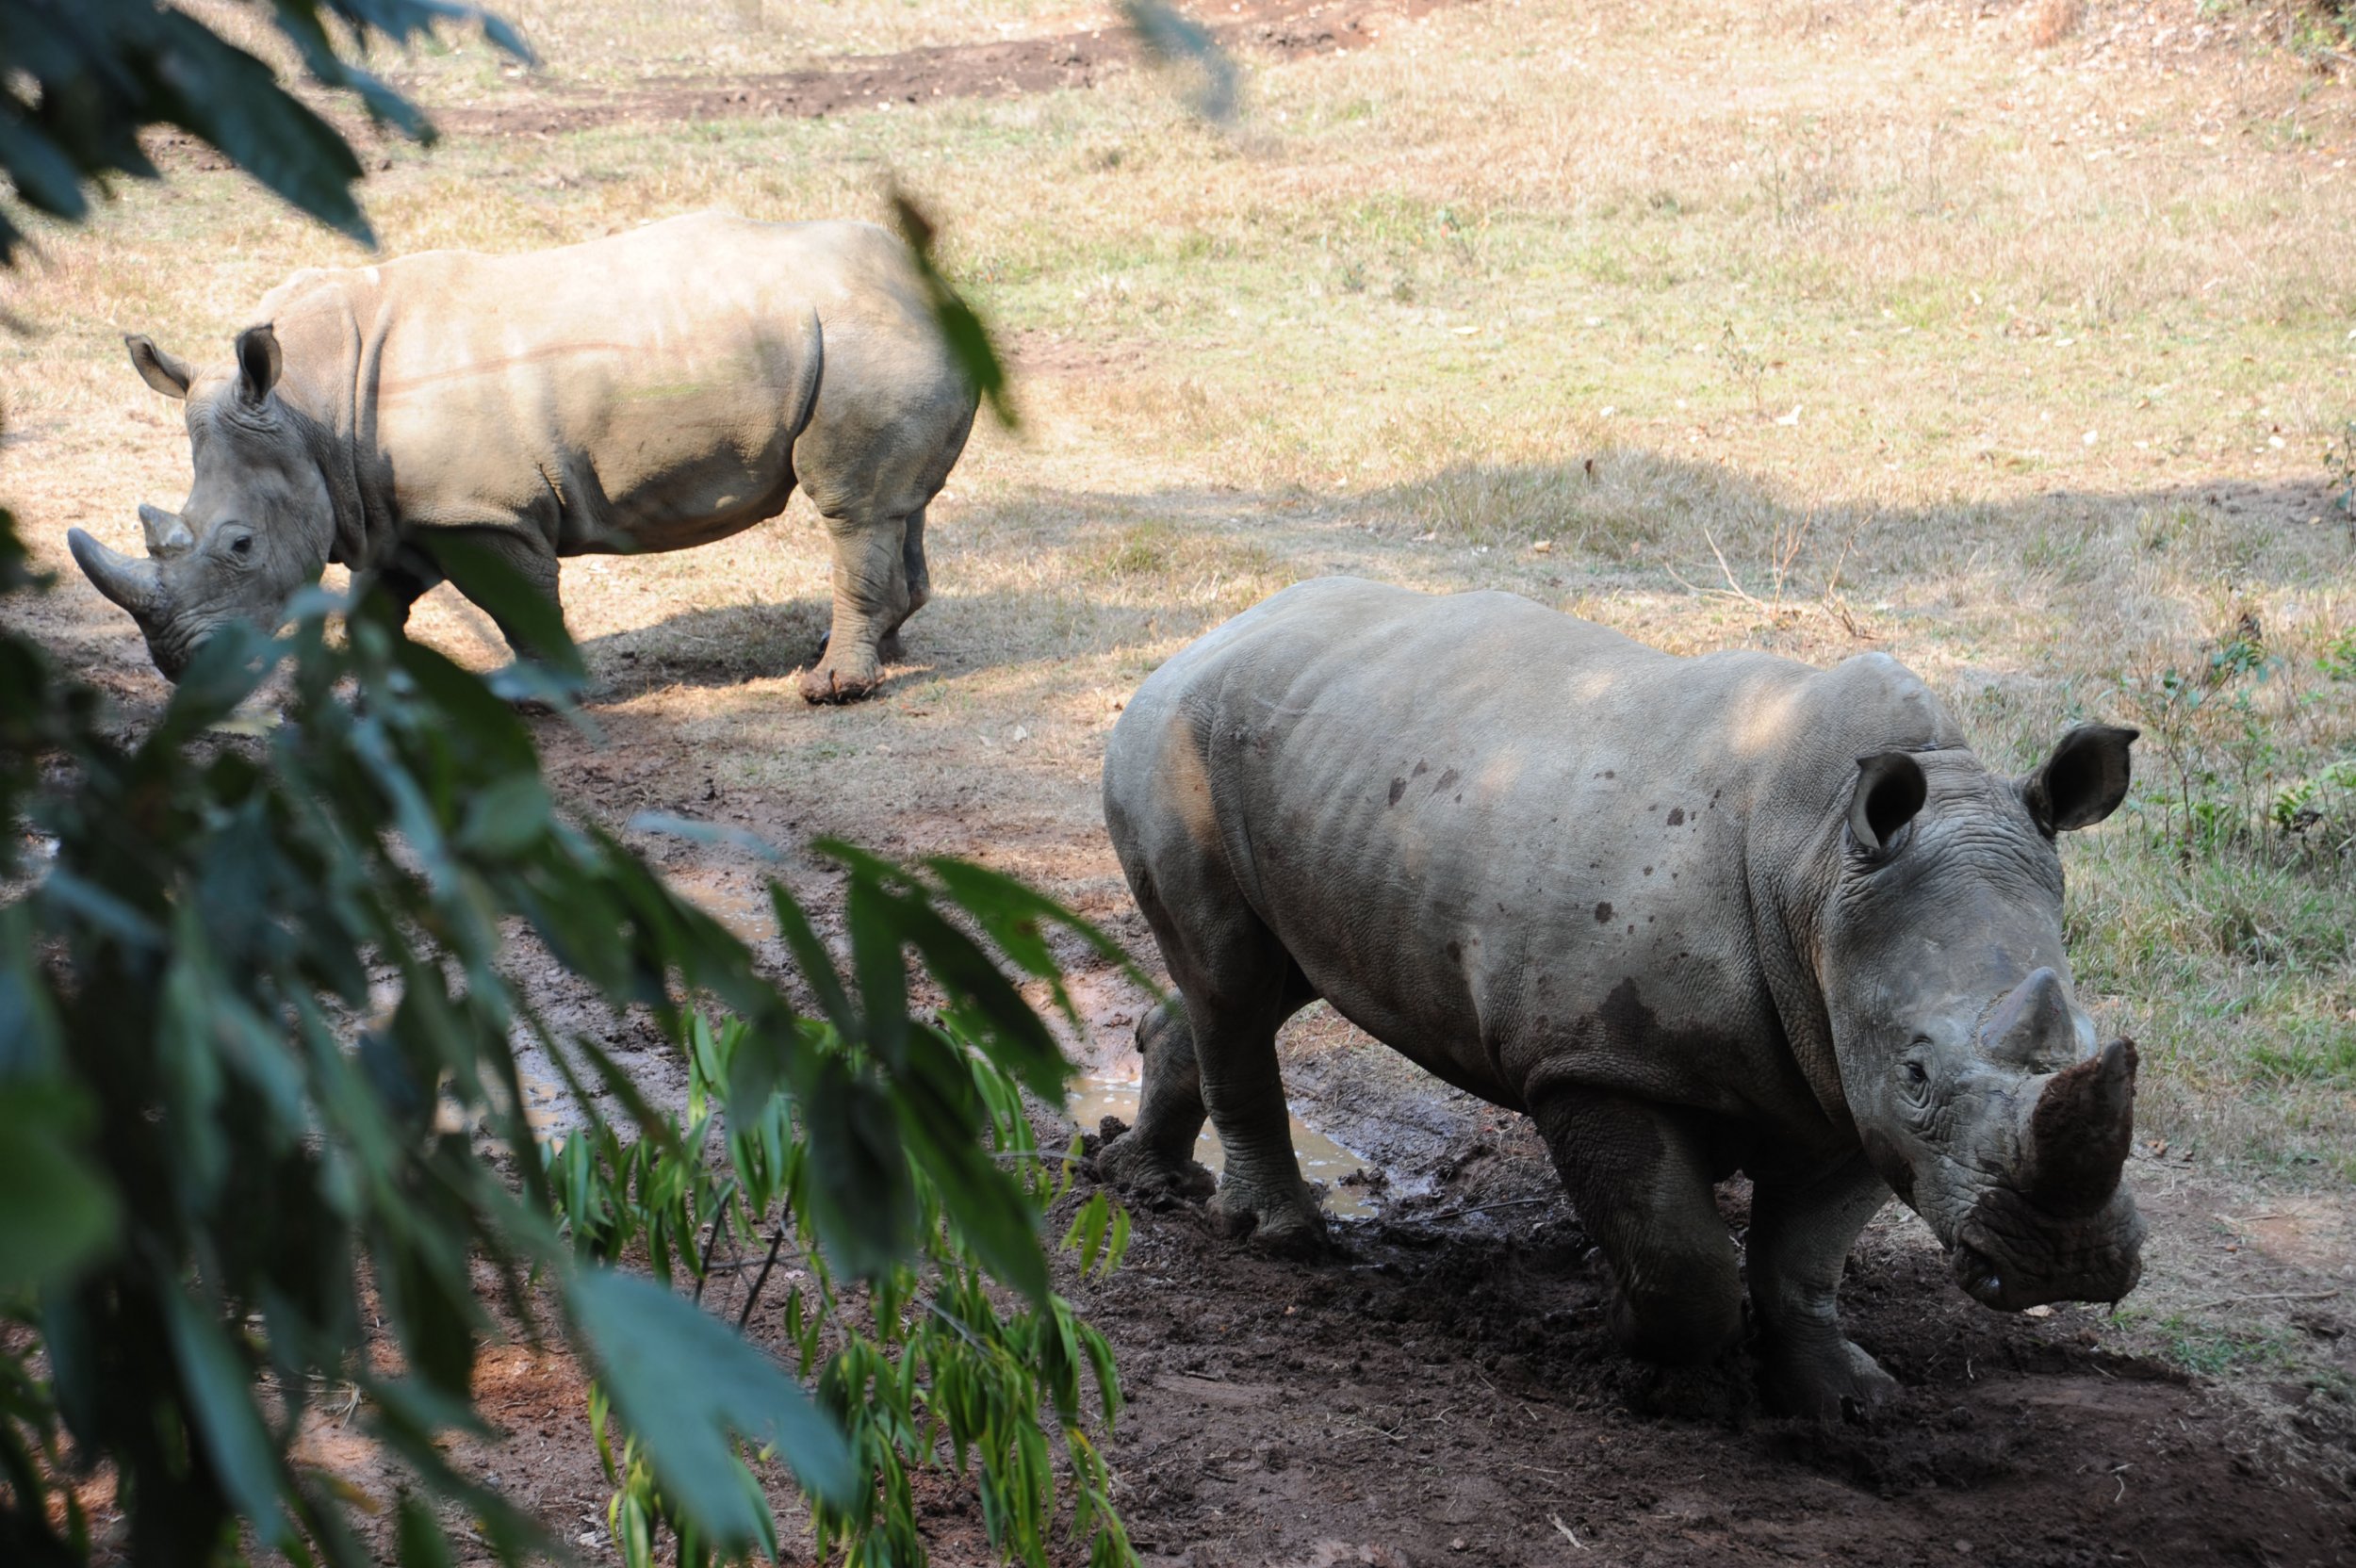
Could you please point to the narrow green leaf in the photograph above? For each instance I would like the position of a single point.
(961, 329)
(686, 1385)
(1174, 38)
(235, 102)
(522, 611)
(218, 1388)
(507, 817)
(418, 1539)
(60, 1214)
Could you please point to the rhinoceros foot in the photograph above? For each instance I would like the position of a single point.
(831, 683)
(1148, 1176)
(1279, 1224)
(1824, 1383)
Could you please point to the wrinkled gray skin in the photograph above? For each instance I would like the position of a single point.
(1695, 916)
(652, 391)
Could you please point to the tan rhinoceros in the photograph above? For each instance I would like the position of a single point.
(1695, 916)
(651, 391)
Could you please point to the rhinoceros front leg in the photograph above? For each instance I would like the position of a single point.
(1640, 1177)
(871, 600)
(524, 552)
(1155, 1160)
(1800, 1238)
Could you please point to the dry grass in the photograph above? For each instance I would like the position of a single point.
(1813, 328)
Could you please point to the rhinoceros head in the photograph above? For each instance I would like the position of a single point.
(1976, 1083)
(256, 524)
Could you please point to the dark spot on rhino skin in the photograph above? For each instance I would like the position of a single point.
(1398, 788)
(1631, 928)
(1603, 914)
(1676, 816)
(1446, 780)
(1648, 870)
(1455, 953)
(1609, 774)
(1626, 1026)
(1421, 768)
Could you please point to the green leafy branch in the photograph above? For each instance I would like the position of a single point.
(924, 1353)
(254, 997)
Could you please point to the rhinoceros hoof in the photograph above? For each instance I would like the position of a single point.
(829, 685)
(1149, 1177)
(1275, 1226)
(1841, 1384)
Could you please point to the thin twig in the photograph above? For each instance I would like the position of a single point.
(712, 1244)
(1740, 591)
(777, 1243)
(2267, 1295)
(1476, 1208)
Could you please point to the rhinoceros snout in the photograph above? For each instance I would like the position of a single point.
(2010, 1255)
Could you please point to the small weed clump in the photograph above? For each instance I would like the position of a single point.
(2226, 907)
(2254, 749)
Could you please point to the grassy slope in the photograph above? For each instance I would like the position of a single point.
(1812, 328)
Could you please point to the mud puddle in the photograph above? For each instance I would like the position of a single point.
(1349, 1194)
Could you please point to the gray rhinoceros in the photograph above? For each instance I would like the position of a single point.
(651, 391)
(1694, 915)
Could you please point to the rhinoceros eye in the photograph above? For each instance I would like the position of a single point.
(243, 545)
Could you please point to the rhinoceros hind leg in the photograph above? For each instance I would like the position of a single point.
(1261, 1195)
(1153, 1161)
(1238, 985)
(871, 600)
(1640, 1177)
(1800, 1238)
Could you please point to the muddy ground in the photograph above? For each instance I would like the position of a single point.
(1442, 1389)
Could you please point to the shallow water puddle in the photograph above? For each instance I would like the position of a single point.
(744, 910)
(1322, 1158)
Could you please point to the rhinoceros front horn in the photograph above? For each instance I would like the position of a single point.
(2081, 1131)
(133, 584)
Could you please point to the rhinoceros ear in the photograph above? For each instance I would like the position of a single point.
(1890, 789)
(158, 369)
(2083, 782)
(257, 362)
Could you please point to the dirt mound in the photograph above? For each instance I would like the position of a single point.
(1434, 1396)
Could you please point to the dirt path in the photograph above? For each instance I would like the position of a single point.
(1284, 28)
